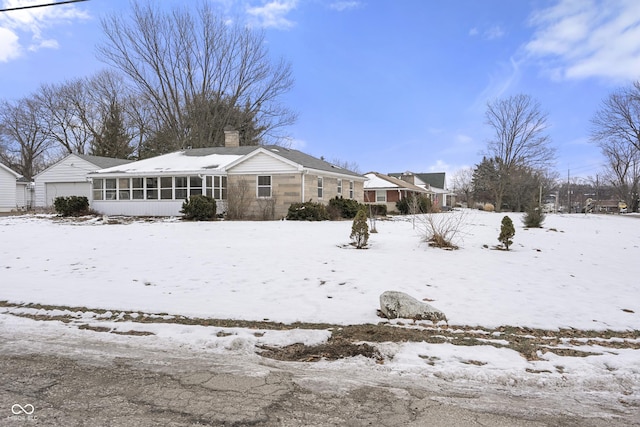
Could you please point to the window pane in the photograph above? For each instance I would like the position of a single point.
(152, 188)
(319, 188)
(339, 186)
(264, 180)
(110, 189)
(138, 194)
(264, 191)
(166, 190)
(97, 189)
(138, 188)
(195, 185)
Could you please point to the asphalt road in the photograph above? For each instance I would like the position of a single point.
(53, 382)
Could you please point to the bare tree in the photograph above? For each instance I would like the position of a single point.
(619, 118)
(616, 130)
(344, 164)
(179, 59)
(519, 139)
(463, 184)
(24, 136)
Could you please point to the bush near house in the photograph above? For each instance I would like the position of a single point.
(340, 207)
(71, 205)
(199, 208)
(307, 211)
(377, 210)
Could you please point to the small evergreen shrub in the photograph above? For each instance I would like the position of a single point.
(307, 211)
(414, 205)
(533, 217)
(71, 206)
(507, 231)
(360, 230)
(345, 208)
(199, 208)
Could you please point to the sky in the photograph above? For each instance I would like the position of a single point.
(390, 86)
(255, 271)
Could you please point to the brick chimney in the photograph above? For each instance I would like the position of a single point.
(231, 137)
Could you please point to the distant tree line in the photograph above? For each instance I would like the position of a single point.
(516, 171)
(174, 80)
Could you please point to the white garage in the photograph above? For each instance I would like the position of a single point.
(68, 177)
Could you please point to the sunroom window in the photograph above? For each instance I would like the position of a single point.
(110, 189)
(166, 188)
(98, 186)
(124, 190)
(137, 188)
(152, 188)
(181, 187)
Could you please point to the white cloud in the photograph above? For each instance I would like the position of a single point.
(578, 39)
(27, 27)
(492, 33)
(273, 14)
(344, 5)
(9, 45)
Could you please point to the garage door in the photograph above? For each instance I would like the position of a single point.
(65, 189)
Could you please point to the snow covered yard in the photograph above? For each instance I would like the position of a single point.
(579, 272)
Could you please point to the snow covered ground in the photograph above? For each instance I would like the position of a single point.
(579, 271)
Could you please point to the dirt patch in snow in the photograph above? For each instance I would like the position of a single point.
(357, 340)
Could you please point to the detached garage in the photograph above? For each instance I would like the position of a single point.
(8, 189)
(68, 177)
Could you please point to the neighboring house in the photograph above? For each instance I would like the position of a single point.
(68, 177)
(383, 189)
(436, 183)
(8, 189)
(260, 182)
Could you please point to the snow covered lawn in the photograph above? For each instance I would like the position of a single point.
(579, 271)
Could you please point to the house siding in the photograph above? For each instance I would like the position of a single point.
(262, 164)
(7, 190)
(71, 169)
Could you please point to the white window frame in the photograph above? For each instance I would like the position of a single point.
(351, 189)
(320, 187)
(381, 196)
(339, 187)
(262, 186)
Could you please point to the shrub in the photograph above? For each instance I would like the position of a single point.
(307, 211)
(533, 217)
(441, 230)
(360, 230)
(199, 208)
(414, 205)
(344, 208)
(71, 206)
(507, 231)
(488, 207)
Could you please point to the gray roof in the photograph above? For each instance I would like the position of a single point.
(434, 179)
(295, 156)
(103, 162)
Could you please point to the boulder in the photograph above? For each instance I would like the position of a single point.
(394, 304)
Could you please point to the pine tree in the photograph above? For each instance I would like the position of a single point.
(113, 140)
(360, 230)
(507, 231)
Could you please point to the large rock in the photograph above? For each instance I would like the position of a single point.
(394, 304)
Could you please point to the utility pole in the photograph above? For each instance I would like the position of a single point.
(569, 189)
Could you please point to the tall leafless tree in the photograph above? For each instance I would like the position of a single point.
(618, 119)
(615, 128)
(24, 136)
(463, 184)
(519, 140)
(179, 59)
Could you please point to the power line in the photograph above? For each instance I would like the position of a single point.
(40, 5)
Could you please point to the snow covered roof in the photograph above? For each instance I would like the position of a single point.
(217, 159)
(381, 181)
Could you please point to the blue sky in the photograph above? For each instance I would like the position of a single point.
(389, 85)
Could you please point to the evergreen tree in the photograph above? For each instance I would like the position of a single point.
(507, 231)
(360, 230)
(113, 140)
